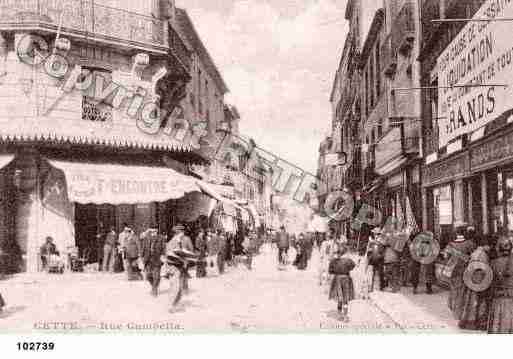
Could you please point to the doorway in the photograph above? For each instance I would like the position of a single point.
(91, 220)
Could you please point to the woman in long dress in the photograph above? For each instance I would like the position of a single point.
(301, 261)
(341, 289)
(475, 312)
(500, 319)
(2, 303)
(457, 249)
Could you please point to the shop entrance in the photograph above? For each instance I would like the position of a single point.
(90, 221)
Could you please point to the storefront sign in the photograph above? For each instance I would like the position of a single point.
(396, 180)
(117, 184)
(498, 149)
(480, 54)
(389, 147)
(444, 171)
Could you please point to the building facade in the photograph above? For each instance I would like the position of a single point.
(88, 123)
(466, 175)
(390, 97)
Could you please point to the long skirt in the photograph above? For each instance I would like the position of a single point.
(341, 289)
(500, 319)
(456, 296)
(474, 312)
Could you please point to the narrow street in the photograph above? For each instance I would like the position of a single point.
(262, 300)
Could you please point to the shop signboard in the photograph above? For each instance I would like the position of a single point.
(389, 147)
(118, 184)
(480, 54)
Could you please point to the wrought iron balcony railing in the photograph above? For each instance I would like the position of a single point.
(403, 29)
(179, 49)
(388, 57)
(85, 19)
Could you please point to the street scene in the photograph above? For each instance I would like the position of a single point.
(243, 166)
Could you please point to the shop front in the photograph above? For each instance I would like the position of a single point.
(399, 175)
(474, 187)
(76, 202)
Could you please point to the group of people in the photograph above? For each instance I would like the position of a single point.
(303, 245)
(173, 258)
(488, 308)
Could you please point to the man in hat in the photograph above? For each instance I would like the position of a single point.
(180, 240)
(132, 249)
(152, 249)
(283, 245)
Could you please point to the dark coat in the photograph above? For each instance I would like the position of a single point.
(133, 247)
(153, 248)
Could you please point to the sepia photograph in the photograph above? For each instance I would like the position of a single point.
(255, 167)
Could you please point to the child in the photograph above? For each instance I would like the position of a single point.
(341, 289)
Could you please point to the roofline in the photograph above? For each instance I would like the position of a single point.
(203, 52)
(377, 23)
(349, 8)
(337, 73)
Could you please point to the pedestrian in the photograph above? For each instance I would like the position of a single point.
(201, 247)
(283, 246)
(326, 253)
(48, 249)
(341, 289)
(500, 319)
(309, 245)
(2, 303)
(123, 238)
(422, 273)
(110, 251)
(375, 257)
(132, 250)
(228, 248)
(212, 247)
(152, 249)
(301, 261)
(100, 242)
(391, 264)
(222, 245)
(458, 252)
(474, 315)
(248, 245)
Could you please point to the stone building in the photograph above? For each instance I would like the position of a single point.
(467, 131)
(89, 122)
(390, 125)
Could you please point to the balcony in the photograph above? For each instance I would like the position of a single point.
(179, 49)
(388, 57)
(403, 29)
(430, 11)
(369, 173)
(85, 19)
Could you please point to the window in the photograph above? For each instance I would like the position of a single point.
(371, 80)
(378, 71)
(94, 109)
(366, 81)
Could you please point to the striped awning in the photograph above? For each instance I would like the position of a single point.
(5, 160)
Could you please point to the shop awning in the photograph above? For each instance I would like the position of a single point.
(392, 165)
(120, 184)
(229, 206)
(254, 213)
(5, 160)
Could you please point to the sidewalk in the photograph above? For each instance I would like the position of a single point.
(418, 313)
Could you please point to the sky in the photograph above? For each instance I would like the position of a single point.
(278, 58)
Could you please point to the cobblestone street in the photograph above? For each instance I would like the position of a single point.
(262, 300)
